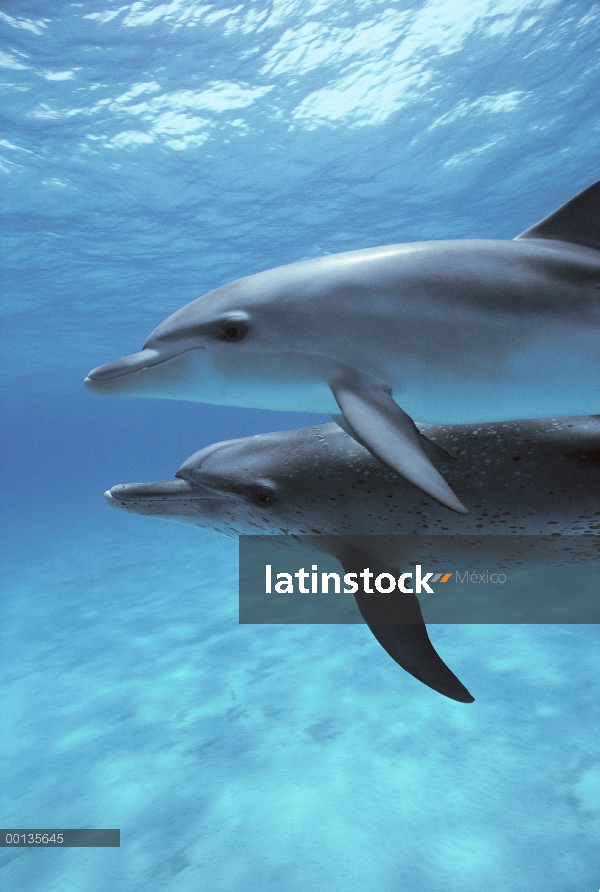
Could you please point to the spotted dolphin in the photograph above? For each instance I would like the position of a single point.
(451, 331)
(521, 477)
(527, 477)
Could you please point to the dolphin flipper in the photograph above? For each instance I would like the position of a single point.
(377, 422)
(432, 449)
(411, 647)
(403, 634)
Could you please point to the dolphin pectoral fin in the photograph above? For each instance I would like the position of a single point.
(397, 623)
(379, 424)
(341, 422)
(411, 647)
(434, 450)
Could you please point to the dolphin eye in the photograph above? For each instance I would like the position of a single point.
(234, 333)
(234, 329)
(263, 497)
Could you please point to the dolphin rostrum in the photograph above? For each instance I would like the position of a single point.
(516, 478)
(455, 331)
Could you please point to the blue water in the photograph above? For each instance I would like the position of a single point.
(148, 153)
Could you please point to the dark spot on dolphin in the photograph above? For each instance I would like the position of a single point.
(588, 456)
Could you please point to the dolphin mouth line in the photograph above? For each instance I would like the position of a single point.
(157, 498)
(112, 370)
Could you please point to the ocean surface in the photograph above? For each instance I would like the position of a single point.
(149, 152)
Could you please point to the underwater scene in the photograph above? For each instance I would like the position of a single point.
(152, 152)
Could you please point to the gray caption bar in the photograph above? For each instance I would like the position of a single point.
(59, 839)
(456, 579)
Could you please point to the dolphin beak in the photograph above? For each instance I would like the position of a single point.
(168, 372)
(132, 495)
(98, 378)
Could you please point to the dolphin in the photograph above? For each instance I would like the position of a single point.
(451, 331)
(521, 478)
(516, 477)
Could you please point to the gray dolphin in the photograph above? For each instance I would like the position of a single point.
(455, 331)
(516, 477)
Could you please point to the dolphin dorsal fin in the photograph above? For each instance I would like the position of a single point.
(577, 221)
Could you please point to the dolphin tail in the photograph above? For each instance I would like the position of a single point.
(378, 423)
(397, 624)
